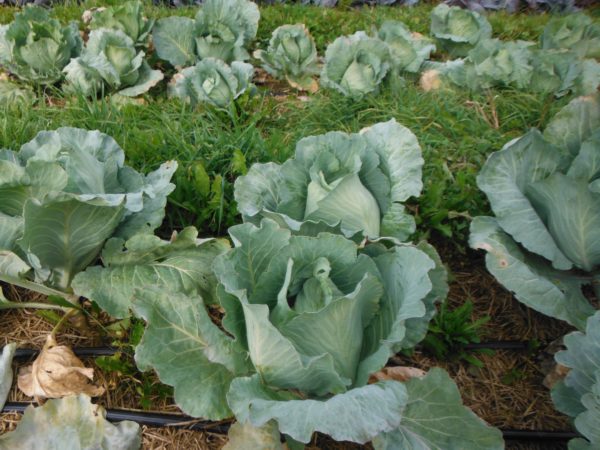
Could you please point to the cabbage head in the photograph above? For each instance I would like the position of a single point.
(36, 48)
(408, 50)
(212, 81)
(350, 183)
(307, 320)
(291, 55)
(544, 189)
(63, 195)
(575, 32)
(222, 29)
(356, 65)
(110, 63)
(458, 30)
(127, 17)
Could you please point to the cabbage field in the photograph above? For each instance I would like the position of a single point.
(321, 225)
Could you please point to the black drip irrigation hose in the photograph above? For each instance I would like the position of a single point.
(153, 419)
(26, 353)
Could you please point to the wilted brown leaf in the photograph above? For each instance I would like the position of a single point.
(56, 373)
(400, 373)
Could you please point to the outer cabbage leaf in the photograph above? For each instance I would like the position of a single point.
(353, 183)
(110, 62)
(6, 373)
(435, 418)
(212, 81)
(71, 422)
(12, 94)
(458, 30)
(578, 395)
(244, 436)
(291, 55)
(180, 265)
(35, 47)
(408, 50)
(355, 65)
(356, 415)
(576, 32)
(127, 17)
(188, 351)
(173, 38)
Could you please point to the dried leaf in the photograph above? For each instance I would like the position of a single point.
(400, 373)
(56, 373)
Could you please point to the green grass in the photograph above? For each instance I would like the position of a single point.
(213, 147)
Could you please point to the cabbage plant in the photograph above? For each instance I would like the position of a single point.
(36, 48)
(62, 196)
(349, 183)
(291, 55)
(110, 63)
(222, 29)
(127, 17)
(576, 32)
(408, 50)
(356, 65)
(458, 30)
(544, 243)
(307, 320)
(578, 394)
(212, 81)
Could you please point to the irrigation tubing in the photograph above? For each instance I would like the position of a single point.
(153, 419)
(26, 353)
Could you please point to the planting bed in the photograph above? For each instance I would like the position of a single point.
(251, 332)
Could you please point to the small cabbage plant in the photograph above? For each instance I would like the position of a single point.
(458, 30)
(307, 320)
(351, 183)
(356, 65)
(544, 189)
(110, 63)
(222, 29)
(62, 196)
(127, 17)
(408, 50)
(576, 32)
(578, 394)
(36, 48)
(291, 55)
(212, 81)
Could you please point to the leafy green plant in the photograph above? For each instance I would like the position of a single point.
(110, 63)
(576, 32)
(36, 48)
(356, 65)
(452, 329)
(353, 183)
(578, 394)
(127, 17)
(222, 29)
(408, 50)
(458, 30)
(212, 81)
(62, 196)
(543, 242)
(291, 55)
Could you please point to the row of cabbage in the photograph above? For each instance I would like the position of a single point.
(318, 292)
(210, 51)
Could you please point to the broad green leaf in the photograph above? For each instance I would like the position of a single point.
(408, 50)
(71, 423)
(173, 39)
(574, 124)
(6, 372)
(180, 265)
(243, 436)
(533, 281)
(357, 415)
(588, 422)
(147, 79)
(63, 235)
(586, 165)
(435, 419)
(572, 214)
(505, 178)
(188, 351)
(458, 30)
